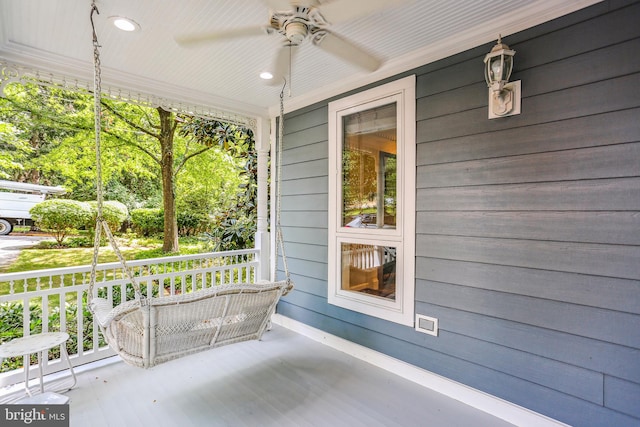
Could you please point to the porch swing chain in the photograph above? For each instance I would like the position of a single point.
(279, 239)
(101, 223)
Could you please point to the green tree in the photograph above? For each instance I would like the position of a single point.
(209, 185)
(12, 151)
(33, 120)
(171, 142)
(236, 222)
(140, 144)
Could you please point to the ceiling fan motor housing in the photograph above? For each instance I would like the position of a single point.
(296, 31)
(296, 24)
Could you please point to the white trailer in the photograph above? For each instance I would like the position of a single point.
(18, 199)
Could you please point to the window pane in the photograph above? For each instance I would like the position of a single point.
(370, 269)
(369, 168)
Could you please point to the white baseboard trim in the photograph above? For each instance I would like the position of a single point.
(482, 401)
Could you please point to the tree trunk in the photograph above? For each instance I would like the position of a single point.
(167, 130)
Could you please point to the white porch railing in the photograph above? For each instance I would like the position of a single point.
(56, 299)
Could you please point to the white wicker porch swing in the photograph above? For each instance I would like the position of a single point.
(147, 331)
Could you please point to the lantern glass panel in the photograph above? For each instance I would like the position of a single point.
(508, 67)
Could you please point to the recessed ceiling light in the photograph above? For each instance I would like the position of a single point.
(266, 75)
(125, 24)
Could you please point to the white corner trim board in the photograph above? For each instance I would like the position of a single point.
(485, 402)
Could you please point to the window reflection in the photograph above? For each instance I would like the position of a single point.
(369, 168)
(370, 269)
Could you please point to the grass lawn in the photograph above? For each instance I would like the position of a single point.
(38, 259)
(45, 255)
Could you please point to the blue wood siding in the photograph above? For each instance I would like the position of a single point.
(527, 227)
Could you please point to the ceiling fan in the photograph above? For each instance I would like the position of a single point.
(298, 20)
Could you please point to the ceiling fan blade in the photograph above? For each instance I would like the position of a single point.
(281, 5)
(284, 58)
(278, 4)
(194, 39)
(344, 10)
(348, 52)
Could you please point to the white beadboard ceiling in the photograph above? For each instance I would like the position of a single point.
(55, 36)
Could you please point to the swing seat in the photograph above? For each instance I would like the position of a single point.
(147, 332)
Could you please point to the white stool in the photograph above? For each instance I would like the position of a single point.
(40, 344)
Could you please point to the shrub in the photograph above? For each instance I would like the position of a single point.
(147, 222)
(114, 212)
(60, 216)
(191, 224)
(232, 233)
(11, 327)
(74, 242)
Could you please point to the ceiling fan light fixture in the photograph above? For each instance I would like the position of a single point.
(296, 31)
(124, 24)
(265, 75)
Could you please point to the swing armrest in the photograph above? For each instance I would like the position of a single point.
(104, 313)
(286, 285)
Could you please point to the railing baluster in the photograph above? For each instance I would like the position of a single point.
(80, 322)
(26, 316)
(45, 313)
(62, 303)
(95, 334)
(204, 276)
(44, 319)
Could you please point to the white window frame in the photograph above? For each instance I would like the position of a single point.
(400, 310)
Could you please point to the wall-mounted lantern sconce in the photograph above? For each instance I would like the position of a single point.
(504, 97)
